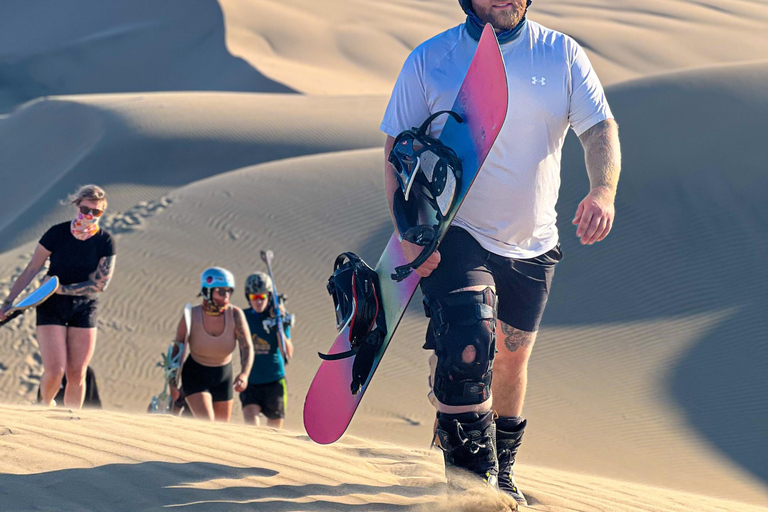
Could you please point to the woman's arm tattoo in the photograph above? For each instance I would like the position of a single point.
(242, 334)
(97, 283)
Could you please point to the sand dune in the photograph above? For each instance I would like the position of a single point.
(142, 146)
(647, 385)
(348, 43)
(624, 39)
(132, 46)
(93, 460)
(315, 47)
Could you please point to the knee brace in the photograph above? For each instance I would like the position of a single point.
(463, 329)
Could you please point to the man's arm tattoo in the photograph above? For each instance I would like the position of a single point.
(97, 283)
(515, 338)
(246, 348)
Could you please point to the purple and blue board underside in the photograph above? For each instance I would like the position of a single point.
(482, 103)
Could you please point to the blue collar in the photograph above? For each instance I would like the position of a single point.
(475, 29)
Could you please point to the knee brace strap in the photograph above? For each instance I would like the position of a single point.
(459, 321)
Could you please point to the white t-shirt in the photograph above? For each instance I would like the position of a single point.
(510, 208)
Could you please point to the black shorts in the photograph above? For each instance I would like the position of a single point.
(522, 286)
(271, 397)
(216, 380)
(68, 311)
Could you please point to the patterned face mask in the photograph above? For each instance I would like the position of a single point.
(84, 226)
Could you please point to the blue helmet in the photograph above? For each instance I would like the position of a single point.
(215, 277)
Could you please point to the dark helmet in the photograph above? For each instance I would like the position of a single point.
(256, 283)
(354, 287)
(429, 175)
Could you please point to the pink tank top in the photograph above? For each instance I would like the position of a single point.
(212, 350)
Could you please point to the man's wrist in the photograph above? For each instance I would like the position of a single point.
(605, 190)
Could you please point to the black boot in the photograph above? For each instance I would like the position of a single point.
(508, 441)
(468, 442)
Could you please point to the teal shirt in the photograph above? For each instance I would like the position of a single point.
(268, 364)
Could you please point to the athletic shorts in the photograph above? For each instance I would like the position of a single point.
(522, 286)
(68, 311)
(271, 397)
(216, 380)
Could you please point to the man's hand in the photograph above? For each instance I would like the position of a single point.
(282, 310)
(412, 251)
(594, 216)
(602, 154)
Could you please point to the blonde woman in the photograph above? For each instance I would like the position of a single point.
(82, 256)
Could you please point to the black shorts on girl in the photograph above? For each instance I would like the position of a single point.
(67, 310)
(216, 380)
(522, 285)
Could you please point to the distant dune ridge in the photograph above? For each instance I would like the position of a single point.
(223, 128)
(142, 146)
(79, 47)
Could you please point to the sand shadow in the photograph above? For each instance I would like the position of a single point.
(81, 47)
(324, 497)
(164, 485)
(722, 386)
(690, 239)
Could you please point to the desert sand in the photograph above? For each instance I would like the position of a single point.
(222, 128)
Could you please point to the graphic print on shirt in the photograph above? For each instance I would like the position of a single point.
(261, 347)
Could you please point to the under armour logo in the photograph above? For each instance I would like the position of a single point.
(538, 81)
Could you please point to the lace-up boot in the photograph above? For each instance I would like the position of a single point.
(509, 435)
(468, 442)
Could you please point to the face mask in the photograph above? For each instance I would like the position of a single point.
(84, 226)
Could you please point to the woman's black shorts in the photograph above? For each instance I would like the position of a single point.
(67, 310)
(522, 286)
(216, 380)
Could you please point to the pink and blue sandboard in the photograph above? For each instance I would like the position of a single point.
(482, 103)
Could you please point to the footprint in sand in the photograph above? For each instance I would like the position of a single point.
(24, 341)
(134, 218)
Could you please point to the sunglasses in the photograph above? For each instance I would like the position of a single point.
(257, 296)
(95, 211)
(223, 291)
